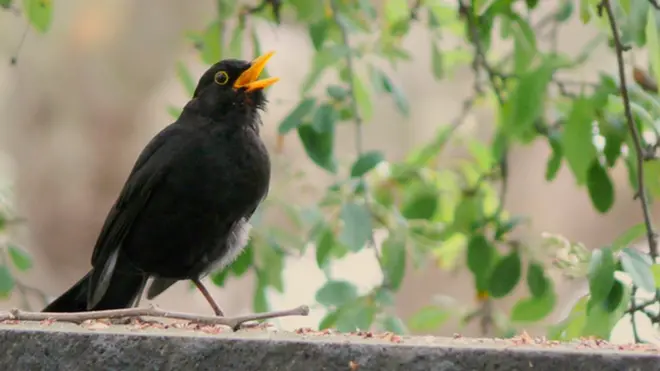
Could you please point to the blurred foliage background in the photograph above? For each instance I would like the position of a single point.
(459, 200)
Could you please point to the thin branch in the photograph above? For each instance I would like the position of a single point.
(480, 60)
(639, 150)
(655, 4)
(633, 321)
(153, 311)
(357, 117)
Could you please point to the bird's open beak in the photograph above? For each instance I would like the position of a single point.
(249, 79)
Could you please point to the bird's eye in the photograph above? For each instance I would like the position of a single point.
(221, 78)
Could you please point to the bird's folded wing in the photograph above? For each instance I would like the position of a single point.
(149, 169)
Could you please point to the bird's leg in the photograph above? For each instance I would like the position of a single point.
(209, 298)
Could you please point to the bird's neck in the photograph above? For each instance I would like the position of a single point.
(222, 118)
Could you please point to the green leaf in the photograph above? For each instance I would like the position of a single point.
(256, 44)
(336, 293)
(218, 278)
(585, 14)
(483, 156)
(554, 162)
(393, 256)
(175, 112)
(653, 43)
(185, 77)
(524, 45)
(366, 162)
(601, 190)
(420, 202)
(535, 308)
(356, 316)
(319, 146)
(296, 117)
(324, 245)
(260, 300)
(6, 281)
(383, 296)
(269, 260)
(211, 43)
(327, 57)
(382, 81)
(363, 98)
(437, 66)
(428, 318)
(481, 255)
(571, 327)
(325, 118)
(652, 177)
(616, 294)
(506, 226)
(655, 269)
(21, 259)
(537, 282)
(318, 31)
(395, 10)
(600, 320)
(467, 213)
(244, 261)
(357, 228)
(638, 266)
(329, 320)
(337, 92)
(505, 276)
(236, 41)
(527, 100)
(579, 150)
(612, 150)
(6, 4)
(39, 13)
(629, 236)
(601, 274)
(565, 11)
(394, 324)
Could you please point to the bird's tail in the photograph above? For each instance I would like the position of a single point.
(122, 292)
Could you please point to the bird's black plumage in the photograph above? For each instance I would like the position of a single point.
(186, 204)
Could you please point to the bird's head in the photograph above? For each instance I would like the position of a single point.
(233, 83)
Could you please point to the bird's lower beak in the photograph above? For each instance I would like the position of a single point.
(249, 79)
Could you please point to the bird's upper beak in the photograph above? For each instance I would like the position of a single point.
(249, 79)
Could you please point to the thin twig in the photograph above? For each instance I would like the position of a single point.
(357, 117)
(633, 321)
(152, 311)
(639, 150)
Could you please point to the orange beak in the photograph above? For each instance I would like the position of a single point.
(249, 79)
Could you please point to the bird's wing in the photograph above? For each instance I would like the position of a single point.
(148, 170)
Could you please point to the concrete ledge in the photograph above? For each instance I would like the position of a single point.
(34, 346)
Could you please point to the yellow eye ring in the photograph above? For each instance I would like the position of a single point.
(221, 78)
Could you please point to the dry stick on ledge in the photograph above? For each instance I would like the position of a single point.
(152, 311)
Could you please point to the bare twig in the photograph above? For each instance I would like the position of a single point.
(357, 117)
(153, 311)
(639, 150)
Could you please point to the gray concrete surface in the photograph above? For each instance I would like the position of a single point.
(33, 346)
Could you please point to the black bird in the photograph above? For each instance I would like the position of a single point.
(185, 207)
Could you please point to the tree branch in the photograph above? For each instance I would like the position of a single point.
(639, 150)
(153, 311)
(357, 117)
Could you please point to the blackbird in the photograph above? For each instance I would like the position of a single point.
(185, 207)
